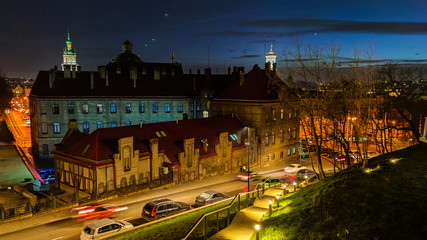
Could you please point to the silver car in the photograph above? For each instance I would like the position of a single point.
(102, 228)
(210, 196)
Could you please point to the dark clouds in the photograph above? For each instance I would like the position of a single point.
(246, 56)
(335, 26)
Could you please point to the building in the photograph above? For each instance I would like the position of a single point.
(256, 101)
(124, 92)
(69, 56)
(178, 151)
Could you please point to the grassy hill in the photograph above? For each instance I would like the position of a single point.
(388, 202)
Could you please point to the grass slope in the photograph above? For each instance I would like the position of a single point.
(389, 202)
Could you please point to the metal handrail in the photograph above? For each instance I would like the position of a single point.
(221, 209)
(210, 213)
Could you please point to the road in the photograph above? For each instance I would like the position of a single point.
(70, 229)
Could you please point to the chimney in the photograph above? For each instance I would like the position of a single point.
(198, 71)
(106, 78)
(101, 70)
(52, 76)
(242, 77)
(274, 67)
(73, 74)
(229, 69)
(234, 69)
(133, 75)
(172, 58)
(267, 67)
(67, 72)
(72, 124)
(189, 72)
(208, 77)
(92, 80)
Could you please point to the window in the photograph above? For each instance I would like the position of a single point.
(45, 149)
(86, 127)
(282, 135)
(155, 108)
(289, 133)
(141, 108)
(289, 151)
(290, 115)
(154, 121)
(273, 138)
(266, 139)
(128, 123)
(43, 109)
(294, 150)
(167, 108)
(126, 158)
(99, 124)
(55, 109)
(85, 109)
(113, 108)
(180, 108)
(273, 156)
(192, 107)
(70, 108)
(274, 115)
(113, 124)
(205, 114)
(282, 114)
(128, 108)
(281, 154)
(267, 158)
(44, 128)
(99, 108)
(198, 107)
(56, 128)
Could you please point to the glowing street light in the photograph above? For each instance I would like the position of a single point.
(295, 185)
(269, 206)
(277, 200)
(257, 228)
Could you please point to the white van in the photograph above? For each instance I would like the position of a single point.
(102, 228)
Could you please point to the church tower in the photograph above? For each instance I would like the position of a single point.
(270, 58)
(69, 57)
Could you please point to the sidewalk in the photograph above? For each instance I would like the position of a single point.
(57, 215)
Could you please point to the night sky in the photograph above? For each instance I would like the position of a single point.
(205, 32)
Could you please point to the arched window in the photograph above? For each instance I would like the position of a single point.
(126, 158)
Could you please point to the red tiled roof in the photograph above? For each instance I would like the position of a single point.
(103, 143)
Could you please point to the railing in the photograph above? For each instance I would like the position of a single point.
(203, 218)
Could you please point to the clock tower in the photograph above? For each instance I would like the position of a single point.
(270, 58)
(69, 56)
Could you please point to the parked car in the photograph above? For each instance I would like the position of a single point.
(245, 176)
(268, 181)
(95, 210)
(305, 174)
(289, 178)
(209, 197)
(162, 208)
(102, 228)
(294, 167)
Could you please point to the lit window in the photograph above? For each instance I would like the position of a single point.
(56, 128)
(113, 108)
(289, 151)
(198, 107)
(55, 109)
(273, 138)
(128, 108)
(99, 124)
(167, 108)
(99, 108)
(273, 156)
(274, 115)
(128, 123)
(294, 150)
(205, 114)
(180, 108)
(290, 115)
(282, 114)
(154, 121)
(282, 135)
(267, 158)
(141, 122)
(155, 108)
(233, 136)
(113, 124)
(86, 127)
(141, 108)
(85, 109)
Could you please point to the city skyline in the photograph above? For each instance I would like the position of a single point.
(218, 34)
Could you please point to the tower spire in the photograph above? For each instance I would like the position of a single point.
(69, 56)
(270, 58)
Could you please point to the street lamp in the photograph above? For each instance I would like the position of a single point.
(257, 228)
(248, 143)
(277, 200)
(269, 206)
(295, 185)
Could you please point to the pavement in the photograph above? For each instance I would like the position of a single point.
(50, 216)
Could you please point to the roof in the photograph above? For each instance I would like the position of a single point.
(256, 86)
(118, 85)
(102, 144)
